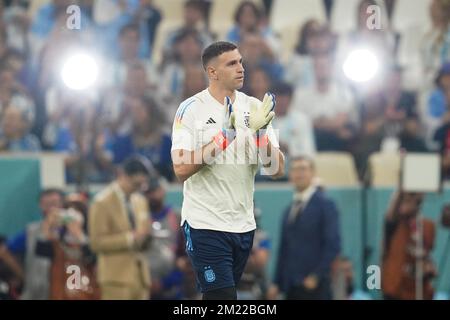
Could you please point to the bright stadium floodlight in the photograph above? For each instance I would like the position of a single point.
(79, 71)
(361, 65)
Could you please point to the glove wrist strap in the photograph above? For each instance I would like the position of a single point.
(261, 140)
(221, 140)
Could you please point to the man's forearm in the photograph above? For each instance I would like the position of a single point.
(187, 163)
(272, 157)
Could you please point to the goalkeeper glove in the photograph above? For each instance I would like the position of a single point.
(260, 117)
(227, 134)
(262, 114)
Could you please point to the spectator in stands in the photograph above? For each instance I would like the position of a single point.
(300, 72)
(15, 62)
(259, 82)
(2, 11)
(194, 81)
(410, 137)
(295, 129)
(73, 128)
(11, 273)
(65, 243)
(16, 24)
(23, 245)
(3, 41)
(435, 47)
(110, 17)
(14, 130)
(166, 279)
(127, 55)
(148, 17)
(400, 104)
(194, 19)
(253, 283)
(249, 18)
(442, 133)
(13, 88)
(119, 231)
(330, 107)
(146, 137)
(371, 132)
(408, 241)
(117, 104)
(438, 102)
(310, 238)
(257, 54)
(187, 48)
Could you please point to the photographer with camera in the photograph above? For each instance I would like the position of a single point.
(65, 243)
(23, 247)
(408, 243)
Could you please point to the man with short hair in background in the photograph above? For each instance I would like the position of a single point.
(23, 245)
(310, 239)
(119, 230)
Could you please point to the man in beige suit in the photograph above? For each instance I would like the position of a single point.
(119, 230)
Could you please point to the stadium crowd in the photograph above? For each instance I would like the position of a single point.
(144, 77)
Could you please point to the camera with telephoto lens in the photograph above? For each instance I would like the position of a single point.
(69, 215)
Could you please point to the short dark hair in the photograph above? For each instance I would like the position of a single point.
(216, 49)
(186, 33)
(256, 10)
(129, 27)
(137, 164)
(156, 116)
(305, 32)
(49, 191)
(304, 158)
(195, 4)
(282, 88)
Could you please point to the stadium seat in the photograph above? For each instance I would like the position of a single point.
(288, 38)
(411, 13)
(171, 10)
(384, 169)
(287, 22)
(343, 15)
(164, 29)
(336, 169)
(52, 169)
(283, 16)
(221, 17)
(105, 11)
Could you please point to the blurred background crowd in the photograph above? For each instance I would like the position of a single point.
(149, 65)
(393, 93)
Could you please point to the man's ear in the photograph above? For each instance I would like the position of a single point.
(212, 73)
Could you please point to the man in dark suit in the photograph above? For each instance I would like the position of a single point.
(310, 239)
